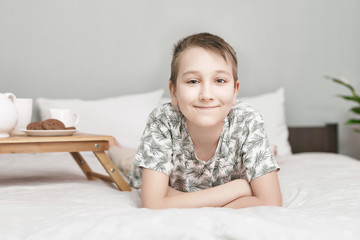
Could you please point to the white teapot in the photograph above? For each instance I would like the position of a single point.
(8, 114)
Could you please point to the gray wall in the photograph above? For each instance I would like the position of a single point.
(99, 48)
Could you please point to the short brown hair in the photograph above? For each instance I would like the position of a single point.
(206, 41)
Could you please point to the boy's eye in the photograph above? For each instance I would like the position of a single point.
(192, 81)
(220, 80)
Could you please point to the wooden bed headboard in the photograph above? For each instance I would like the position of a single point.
(314, 139)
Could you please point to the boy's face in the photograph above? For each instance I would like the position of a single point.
(205, 89)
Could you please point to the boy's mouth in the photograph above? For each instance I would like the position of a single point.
(206, 107)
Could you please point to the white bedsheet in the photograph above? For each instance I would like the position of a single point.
(46, 196)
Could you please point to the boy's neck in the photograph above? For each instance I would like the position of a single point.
(205, 139)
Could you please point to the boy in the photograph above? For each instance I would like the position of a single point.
(205, 149)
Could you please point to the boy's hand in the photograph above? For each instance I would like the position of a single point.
(244, 187)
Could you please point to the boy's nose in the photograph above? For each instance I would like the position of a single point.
(206, 93)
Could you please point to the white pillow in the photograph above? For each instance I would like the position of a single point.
(272, 108)
(165, 100)
(123, 117)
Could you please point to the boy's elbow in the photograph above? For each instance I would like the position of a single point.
(153, 204)
(273, 202)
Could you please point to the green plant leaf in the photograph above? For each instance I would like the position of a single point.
(344, 84)
(351, 98)
(356, 110)
(353, 121)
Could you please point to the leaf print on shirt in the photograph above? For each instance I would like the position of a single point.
(174, 121)
(161, 166)
(196, 171)
(256, 141)
(259, 156)
(180, 184)
(153, 148)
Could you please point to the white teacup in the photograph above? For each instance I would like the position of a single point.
(24, 110)
(69, 118)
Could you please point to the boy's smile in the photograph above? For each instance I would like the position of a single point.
(205, 90)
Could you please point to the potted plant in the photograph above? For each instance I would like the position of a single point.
(354, 97)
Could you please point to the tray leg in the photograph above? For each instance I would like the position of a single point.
(83, 165)
(112, 171)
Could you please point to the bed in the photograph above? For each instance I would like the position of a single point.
(46, 196)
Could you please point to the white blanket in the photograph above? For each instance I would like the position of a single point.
(46, 196)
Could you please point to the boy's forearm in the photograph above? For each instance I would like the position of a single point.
(266, 192)
(212, 197)
(243, 202)
(249, 201)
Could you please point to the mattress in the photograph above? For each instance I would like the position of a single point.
(46, 196)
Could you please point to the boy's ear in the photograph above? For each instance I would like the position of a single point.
(172, 91)
(236, 91)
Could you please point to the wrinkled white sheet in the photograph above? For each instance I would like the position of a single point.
(46, 196)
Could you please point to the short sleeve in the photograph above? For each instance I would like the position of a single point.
(257, 156)
(155, 150)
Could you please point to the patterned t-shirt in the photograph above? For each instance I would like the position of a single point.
(242, 152)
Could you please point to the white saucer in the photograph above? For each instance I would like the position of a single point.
(48, 133)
